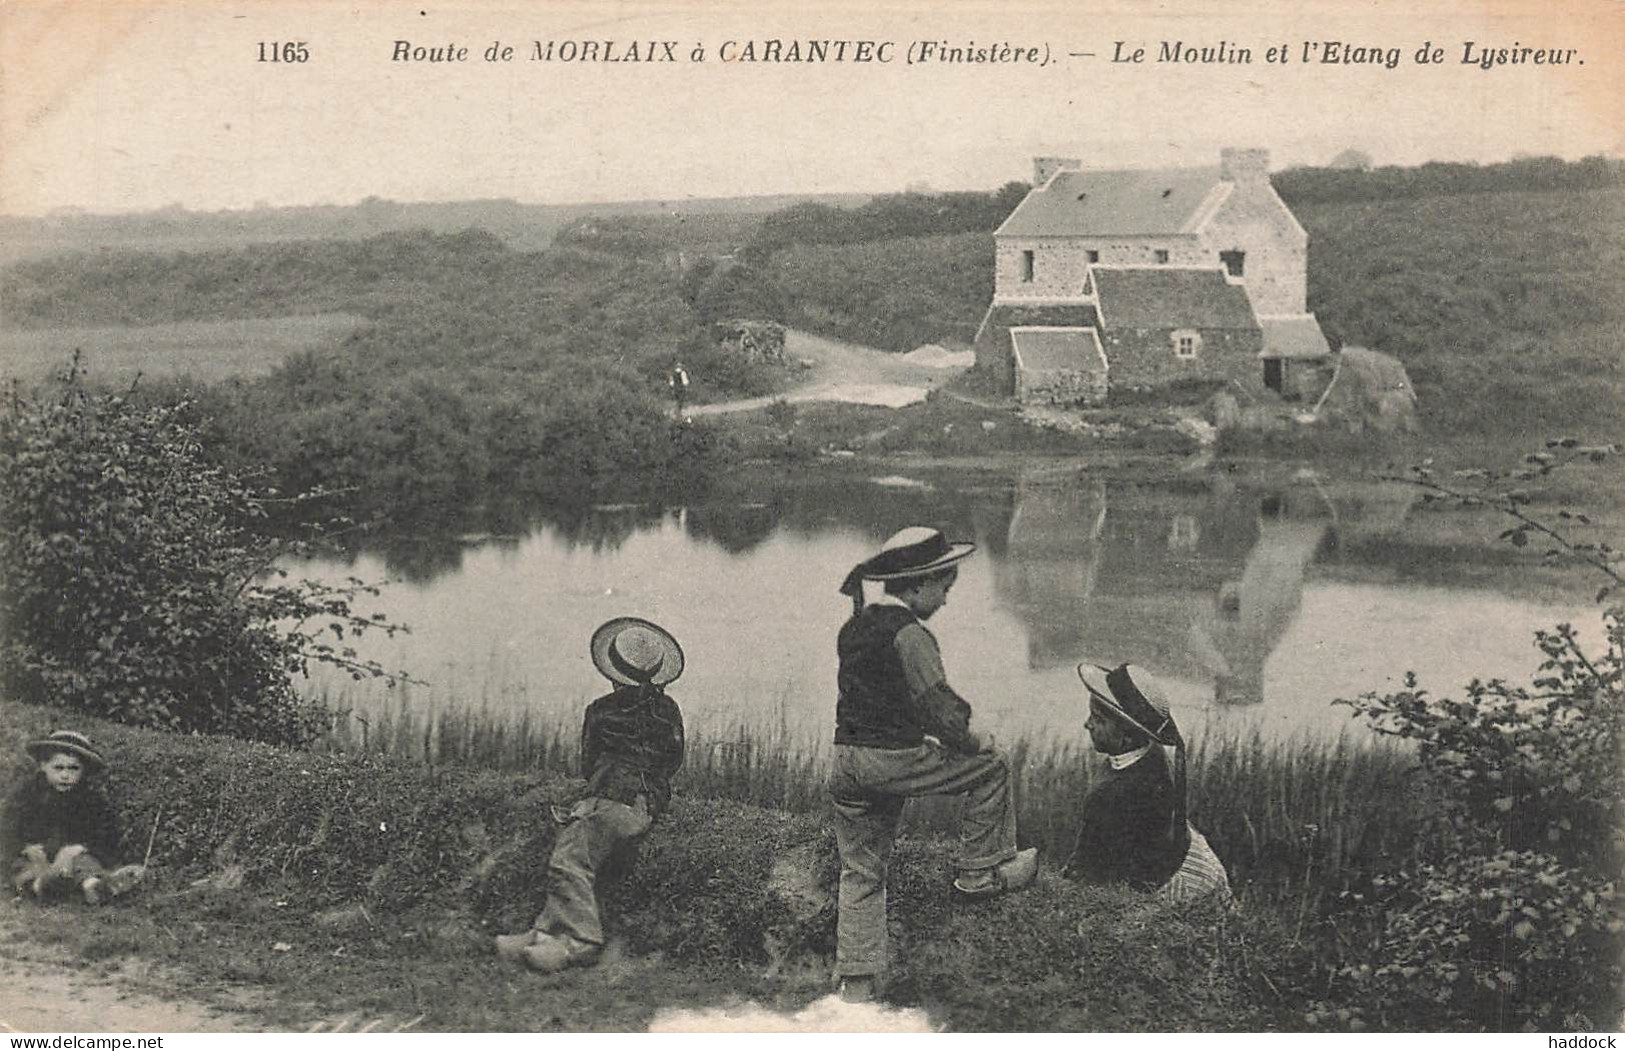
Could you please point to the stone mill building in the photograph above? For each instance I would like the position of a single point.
(1141, 279)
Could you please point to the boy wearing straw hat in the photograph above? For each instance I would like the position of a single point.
(1134, 827)
(58, 829)
(901, 732)
(631, 745)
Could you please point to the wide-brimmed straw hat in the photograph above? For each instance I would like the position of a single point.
(911, 552)
(633, 651)
(70, 741)
(1133, 695)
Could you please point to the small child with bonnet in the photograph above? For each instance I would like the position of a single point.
(58, 832)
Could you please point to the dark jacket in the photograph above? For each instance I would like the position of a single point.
(37, 813)
(631, 745)
(1125, 834)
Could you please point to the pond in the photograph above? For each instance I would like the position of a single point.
(1256, 601)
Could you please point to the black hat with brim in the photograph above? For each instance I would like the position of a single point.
(1132, 695)
(913, 552)
(70, 742)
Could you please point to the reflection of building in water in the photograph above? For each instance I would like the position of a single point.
(1165, 552)
(1197, 583)
(1051, 554)
(1246, 619)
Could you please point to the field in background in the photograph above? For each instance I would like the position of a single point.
(197, 351)
(523, 227)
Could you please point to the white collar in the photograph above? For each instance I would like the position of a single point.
(1128, 759)
(891, 600)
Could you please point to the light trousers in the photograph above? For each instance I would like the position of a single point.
(868, 787)
(600, 832)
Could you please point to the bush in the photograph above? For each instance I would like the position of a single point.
(132, 575)
(1512, 919)
(1490, 941)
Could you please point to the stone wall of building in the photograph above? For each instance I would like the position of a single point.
(1060, 263)
(994, 356)
(1062, 387)
(1304, 380)
(1144, 358)
(1275, 269)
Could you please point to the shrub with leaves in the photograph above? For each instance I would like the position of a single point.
(133, 574)
(1498, 941)
(1523, 769)
(1507, 914)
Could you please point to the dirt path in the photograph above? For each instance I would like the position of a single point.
(845, 372)
(45, 993)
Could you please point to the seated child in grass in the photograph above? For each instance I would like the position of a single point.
(58, 829)
(631, 745)
(1134, 827)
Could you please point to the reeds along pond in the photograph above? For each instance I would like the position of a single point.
(1286, 816)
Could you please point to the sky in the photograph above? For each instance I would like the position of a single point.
(111, 105)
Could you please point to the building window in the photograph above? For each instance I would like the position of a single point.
(1027, 266)
(1235, 262)
(1162, 255)
(1186, 343)
(1184, 533)
(1094, 255)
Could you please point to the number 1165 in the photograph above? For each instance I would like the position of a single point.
(292, 51)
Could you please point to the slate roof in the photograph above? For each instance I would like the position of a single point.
(1047, 350)
(1298, 336)
(1171, 297)
(1106, 203)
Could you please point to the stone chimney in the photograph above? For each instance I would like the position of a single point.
(1045, 167)
(1237, 165)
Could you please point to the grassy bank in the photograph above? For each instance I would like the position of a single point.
(382, 874)
(315, 886)
(1282, 815)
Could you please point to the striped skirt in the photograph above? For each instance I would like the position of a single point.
(1202, 874)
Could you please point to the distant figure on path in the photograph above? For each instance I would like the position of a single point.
(1134, 828)
(58, 830)
(678, 381)
(900, 732)
(631, 745)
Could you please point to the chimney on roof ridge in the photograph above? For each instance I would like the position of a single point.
(1045, 167)
(1238, 165)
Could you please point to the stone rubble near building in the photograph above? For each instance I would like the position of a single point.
(755, 341)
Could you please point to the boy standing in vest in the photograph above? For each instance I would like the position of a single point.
(900, 732)
(631, 745)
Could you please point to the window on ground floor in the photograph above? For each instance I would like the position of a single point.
(1027, 266)
(1187, 342)
(1162, 255)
